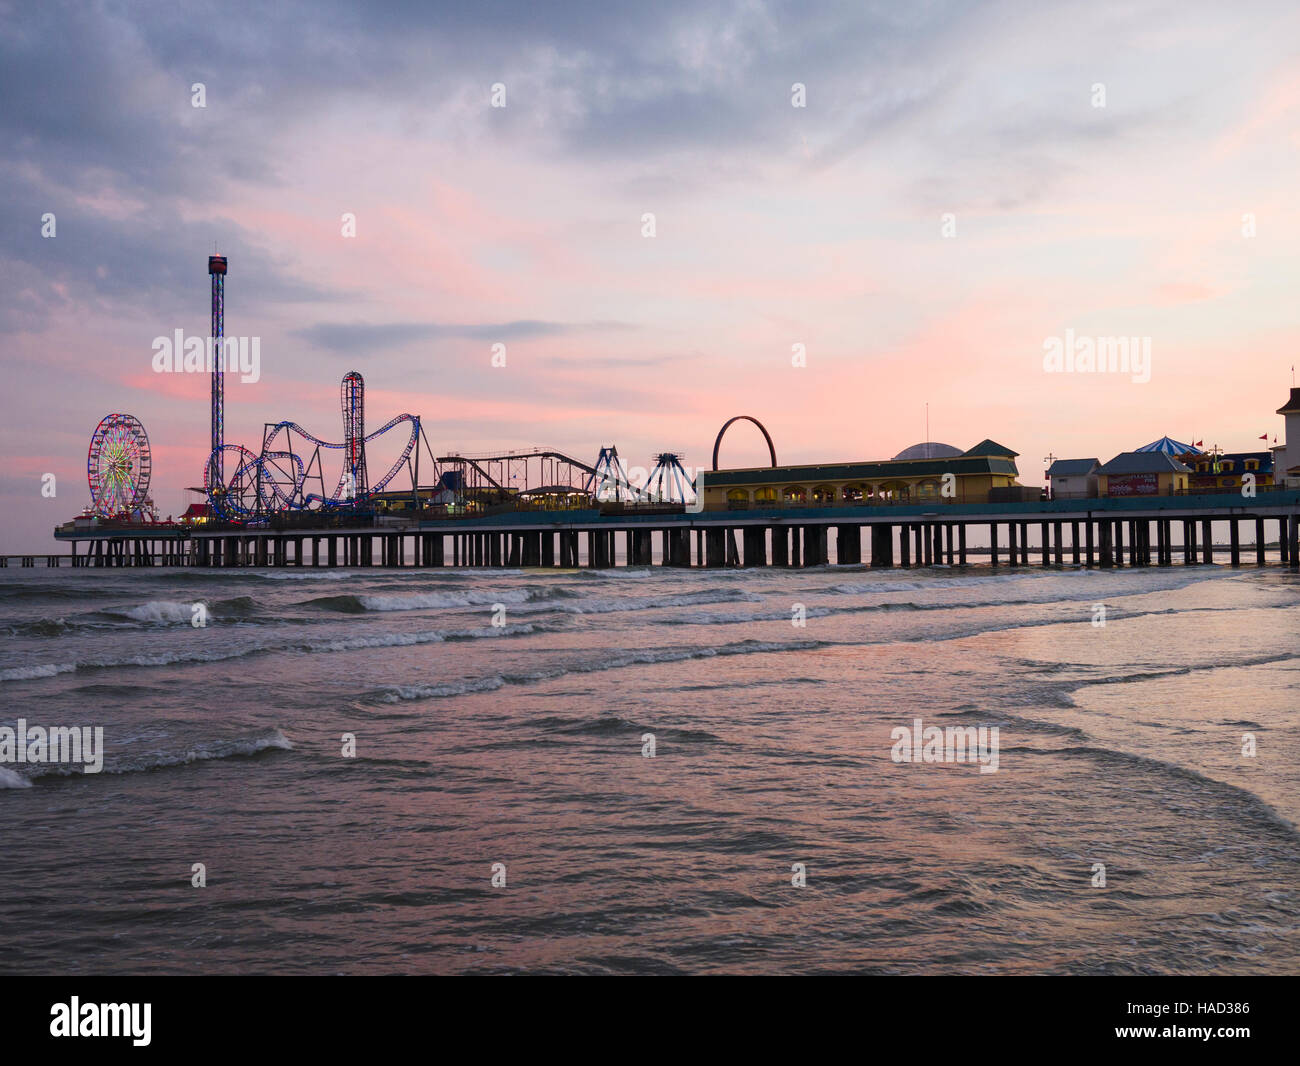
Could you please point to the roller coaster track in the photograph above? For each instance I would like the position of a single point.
(275, 478)
(539, 453)
(377, 486)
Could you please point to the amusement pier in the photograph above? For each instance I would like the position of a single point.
(299, 500)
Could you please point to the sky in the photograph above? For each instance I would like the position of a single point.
(858, 210)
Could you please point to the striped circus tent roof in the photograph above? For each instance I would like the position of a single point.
(1169, 446)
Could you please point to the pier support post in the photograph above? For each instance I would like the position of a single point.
(882, 545)
(780, 546)
(1105, 527)
(961, 543)
(682, 554)
(1207, 545)
(1259, 542)
(1234, 538)
(993, 544)
(1293, 542)
(848, 545)
(814, 545)
(714, 547)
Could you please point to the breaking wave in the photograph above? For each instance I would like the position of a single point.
(421, 601)
(30, 673)
(10, 779)
(231, 748)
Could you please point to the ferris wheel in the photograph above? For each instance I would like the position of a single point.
(118, 466)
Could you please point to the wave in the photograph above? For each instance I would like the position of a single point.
(1160, 580)
(357, 643)
(293, 575)
(43, 627)
(69, 589)
(159, 612)
(420, 601)
(235, 747)
(1159, 674)
(230, 748)
(617, 659)
(651, 603)
(440, 691)
(707, 618)
(10, 779)
(618, 572)
(1112, 755)
(155, 612)
(30, 673)
(612, 723)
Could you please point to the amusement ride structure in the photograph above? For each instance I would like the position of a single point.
(277, 478)
(287, 474)
(118, 468)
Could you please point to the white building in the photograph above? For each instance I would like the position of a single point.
(1286, 456)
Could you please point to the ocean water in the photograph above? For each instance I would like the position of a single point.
(501, 716)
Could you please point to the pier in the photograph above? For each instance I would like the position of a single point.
(1101, 533)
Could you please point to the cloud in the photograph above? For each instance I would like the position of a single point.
(360, 337)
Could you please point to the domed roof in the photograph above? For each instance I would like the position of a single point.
(929, 450)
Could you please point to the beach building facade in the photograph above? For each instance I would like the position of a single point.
(1286, 456)
(927, 471)
(1154, 473)
(1074, 479)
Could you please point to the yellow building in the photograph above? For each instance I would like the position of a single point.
(1143, 474)
(928, 471)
